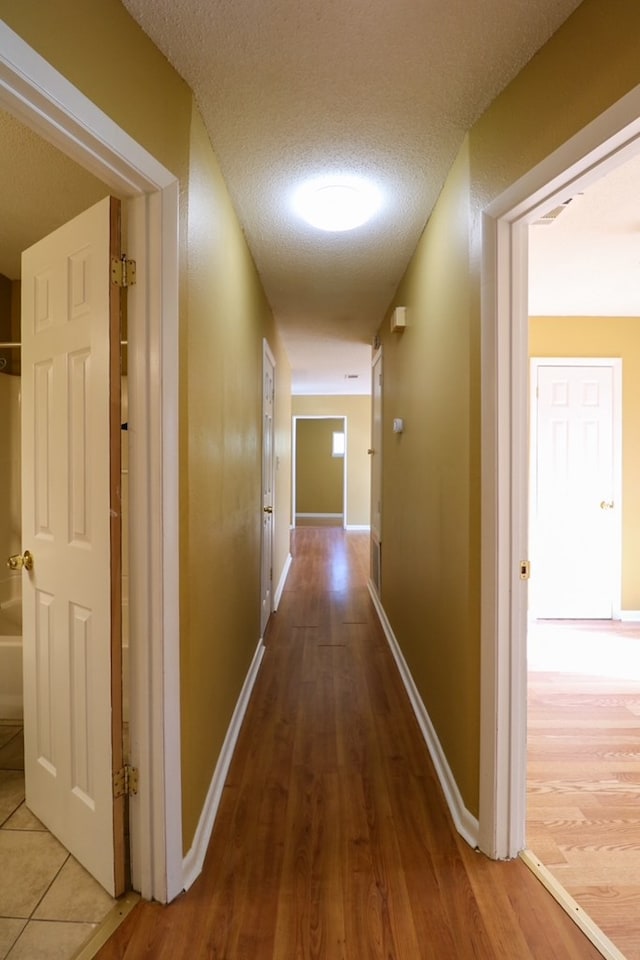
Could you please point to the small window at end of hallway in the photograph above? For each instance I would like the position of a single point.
(337, 445)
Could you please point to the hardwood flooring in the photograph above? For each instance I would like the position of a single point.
(583, 819)
(332, 840)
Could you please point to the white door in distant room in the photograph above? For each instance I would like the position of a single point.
(71, 526)
(575, 507)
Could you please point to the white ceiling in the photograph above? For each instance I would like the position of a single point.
(294, 88)
(586, 262)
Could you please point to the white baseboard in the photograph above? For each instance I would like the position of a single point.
(193, 860)
(283, 579)
(358, 526)
(630, 616)
(319, 516)
(466, 824)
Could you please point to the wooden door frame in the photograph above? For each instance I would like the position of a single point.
(608, 141)
(41, 98)
(319, 416)
(615, 364)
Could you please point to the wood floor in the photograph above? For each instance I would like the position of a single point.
(333, 841)
(583, 818)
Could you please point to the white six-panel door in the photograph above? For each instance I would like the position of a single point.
(66, 523)
(375, 452)
(575, 507)
(268, 498)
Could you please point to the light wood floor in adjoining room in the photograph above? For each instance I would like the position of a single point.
(583, 819)
(333, 840)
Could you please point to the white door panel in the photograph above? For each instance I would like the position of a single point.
(573, 500)
(268, 498)
(375, 453)
(66, 524)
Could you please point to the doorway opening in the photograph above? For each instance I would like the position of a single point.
(319, 458)
(604, 145)
(42, 99)
(583, 676)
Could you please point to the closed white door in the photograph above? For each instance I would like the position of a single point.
(375, 452)
(575, 509)
(268, 394)
(71, 513)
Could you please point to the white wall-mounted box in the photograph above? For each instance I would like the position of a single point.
(398, 319)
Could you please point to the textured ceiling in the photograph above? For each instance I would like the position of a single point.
(290, 89)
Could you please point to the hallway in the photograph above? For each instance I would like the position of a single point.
(332, 838)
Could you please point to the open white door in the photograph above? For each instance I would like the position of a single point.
(268, 393)
(70, 513)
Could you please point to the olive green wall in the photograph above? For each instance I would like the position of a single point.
(223, 318)
(319, 475)
(607, 337)
(431, 574)
(227, 318)
(430, 579)
(357, 410)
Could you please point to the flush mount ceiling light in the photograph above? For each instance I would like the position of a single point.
(337, 203)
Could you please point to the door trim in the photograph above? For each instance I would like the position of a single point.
(603, 144)
(615, 363)
(45, 101)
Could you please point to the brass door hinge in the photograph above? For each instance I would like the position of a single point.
(525, 570)
(123, 271)
(125, 782)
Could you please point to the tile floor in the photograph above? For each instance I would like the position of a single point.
(49, 905)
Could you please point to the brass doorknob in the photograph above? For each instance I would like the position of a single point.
(267, 509)
(20, 560)
(606, 505)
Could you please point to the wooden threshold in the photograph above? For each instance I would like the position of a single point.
(117, 915)
(579, 916)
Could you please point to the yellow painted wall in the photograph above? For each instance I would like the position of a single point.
(431, 574)
(357, 410)
(223, 318)
(227, 318)
(319, 475)
(430, 577)
(607, 337)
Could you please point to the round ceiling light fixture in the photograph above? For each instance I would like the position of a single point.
(337, 203)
